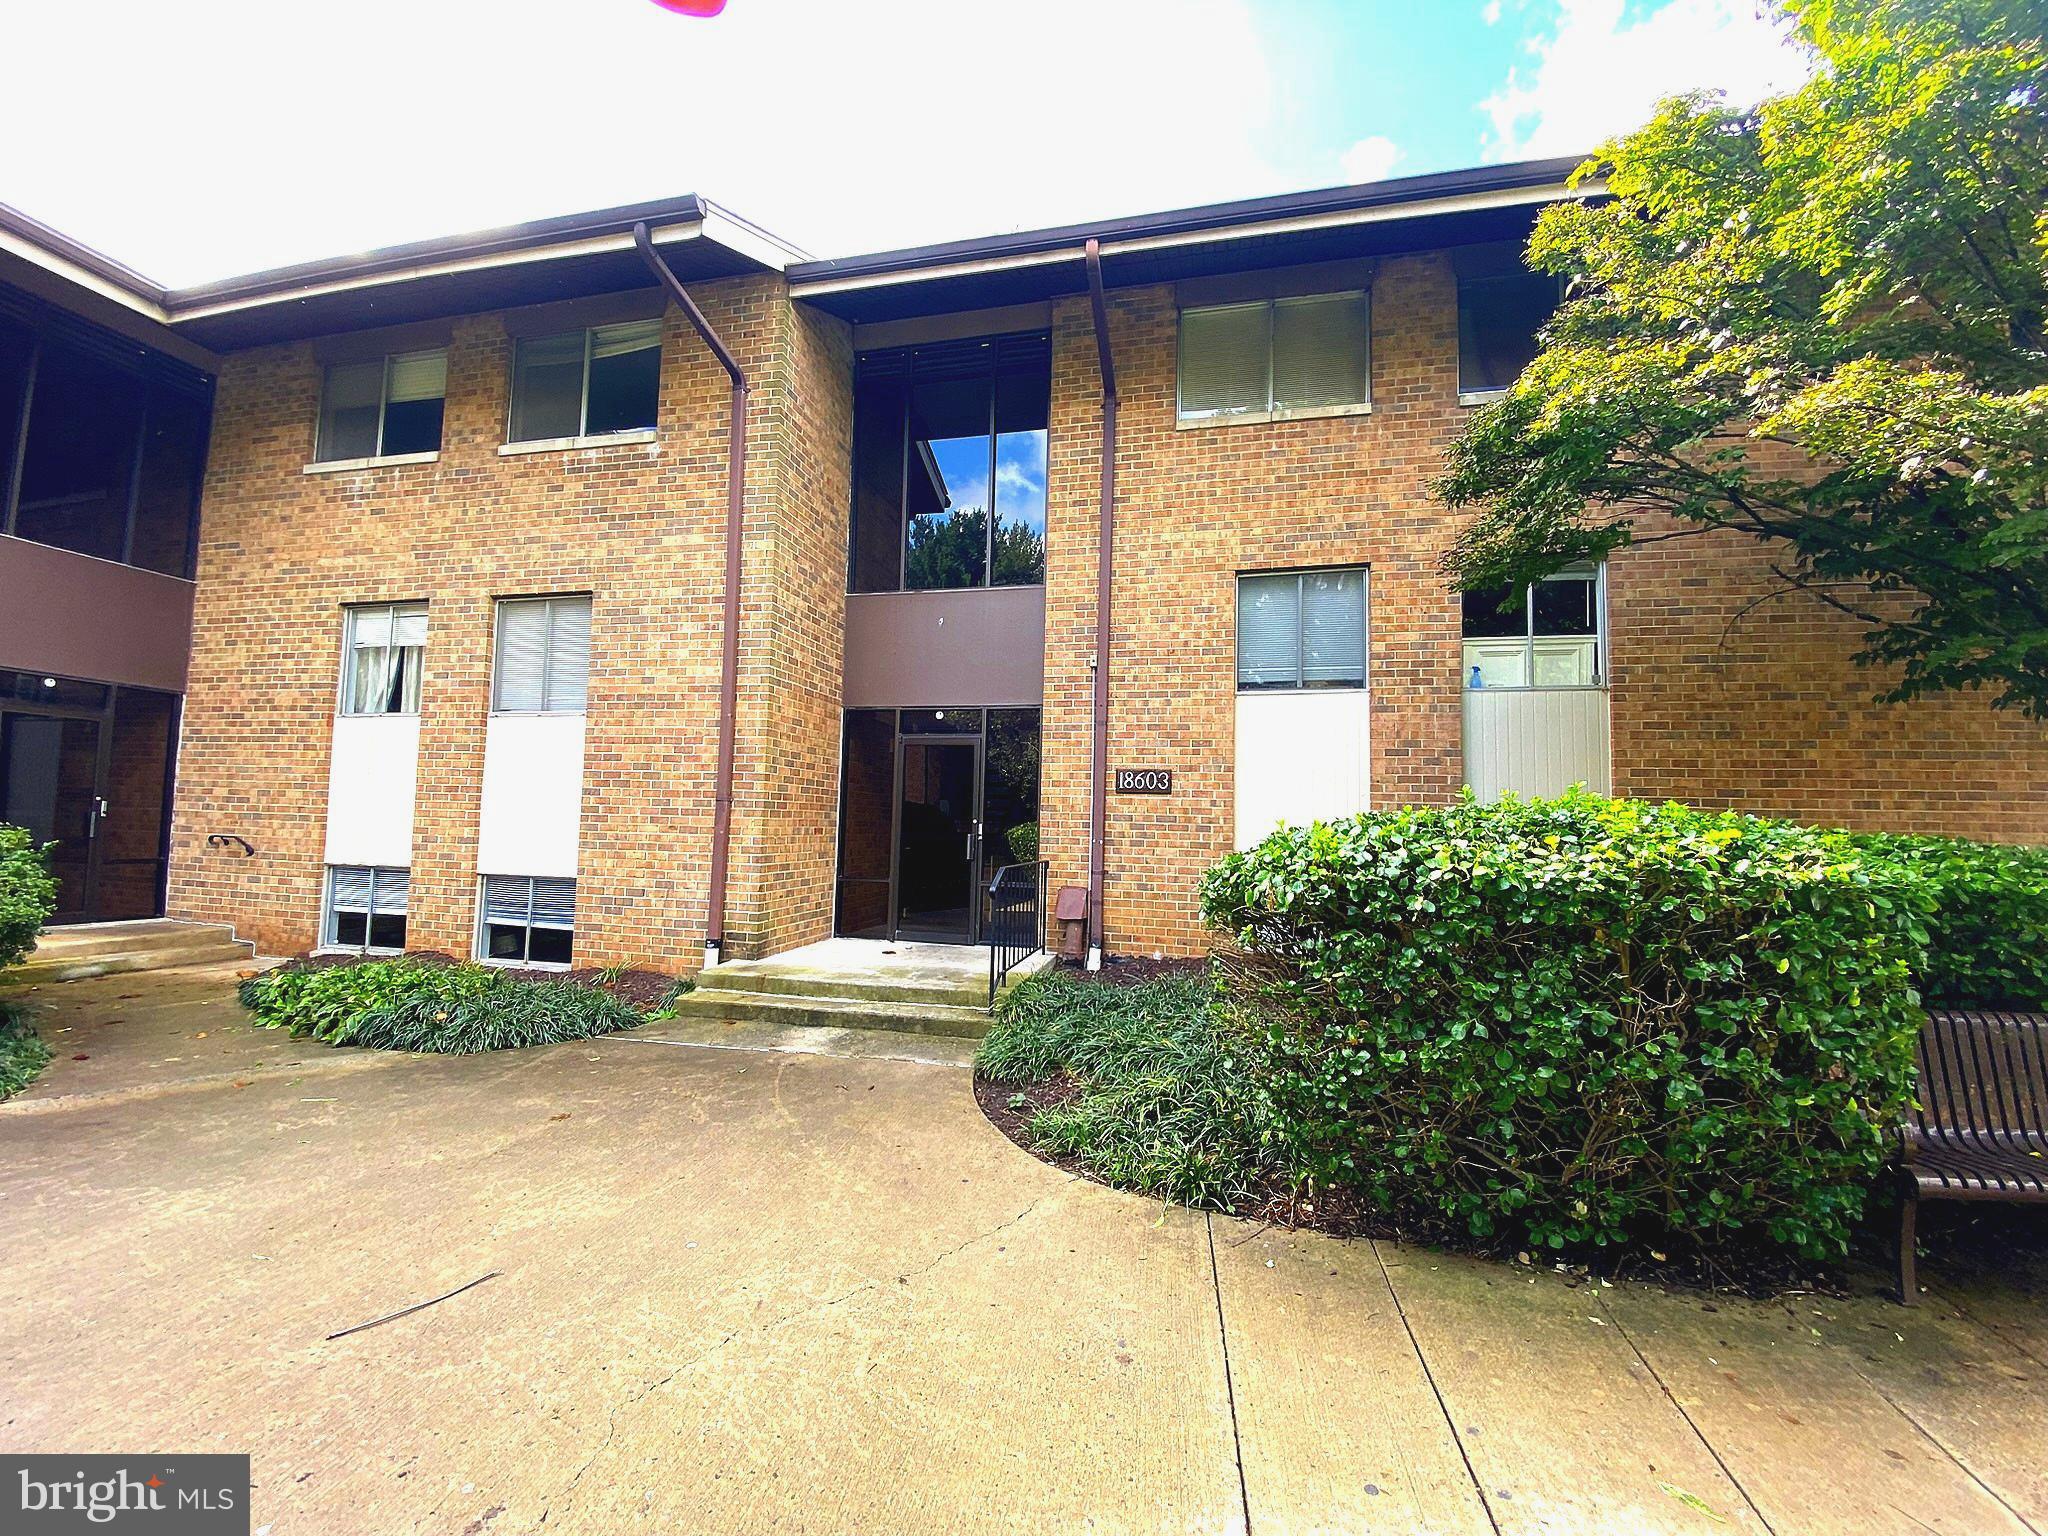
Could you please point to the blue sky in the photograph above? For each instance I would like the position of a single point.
(219, 136)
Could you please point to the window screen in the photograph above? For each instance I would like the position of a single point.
(1303, 629)
(543, 655)
(1276, 356)
(385, 652)
(527, 920)
(586, 383)
(391, 405)
(366, 907)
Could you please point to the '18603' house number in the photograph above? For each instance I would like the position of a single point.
(1144, 781)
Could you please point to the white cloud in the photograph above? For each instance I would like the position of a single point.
(1371, 159)
(1599, 73)
(219, 136)
(1490, 12)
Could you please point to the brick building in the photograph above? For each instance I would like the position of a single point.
(459, 596)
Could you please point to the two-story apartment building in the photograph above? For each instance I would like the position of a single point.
(1109, 544)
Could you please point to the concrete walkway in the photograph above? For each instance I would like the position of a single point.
(743, 1288)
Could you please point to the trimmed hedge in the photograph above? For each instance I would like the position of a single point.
(1584, 1021)
(28, 894)
(1988, 933)
(405, 1005)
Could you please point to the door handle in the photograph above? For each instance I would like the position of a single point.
(96, 815)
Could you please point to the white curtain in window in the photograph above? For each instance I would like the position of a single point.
(568, 674)
(1319, 352)
(1268, 631)
(1224, 357)
(418, 376)
(618, 340)
(522, 657)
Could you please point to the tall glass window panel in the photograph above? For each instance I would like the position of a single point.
(1009, 800)
(1023, 409)
(17, 355)
(1564, 629)
(416, 388)
(1225, 360)
(167, 489)
(876, 561)
(947, 521)
(543, 656)
(1333, 629)
(625, 377)
(386, 652)
(547, 388)
(84, 427)
(1498, 317)
(1268, 632)
(1319, 352)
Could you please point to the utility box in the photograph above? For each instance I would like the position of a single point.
(1070, 911)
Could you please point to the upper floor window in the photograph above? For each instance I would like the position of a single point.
(1501, 306)
(949, 446)
(1301, 629)
(383, 408)
(1275, 358)
(384, 652)
(586, 383)
(543, 656)
(1547, 635)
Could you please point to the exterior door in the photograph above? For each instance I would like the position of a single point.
(51, 777)
(938, 839)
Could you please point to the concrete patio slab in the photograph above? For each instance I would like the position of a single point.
(740, 1287)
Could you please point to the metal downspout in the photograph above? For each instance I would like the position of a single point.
(729, 663)
(1098, 801)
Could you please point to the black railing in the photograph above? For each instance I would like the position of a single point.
(1016, 920)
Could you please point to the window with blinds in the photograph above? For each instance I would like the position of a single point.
(366, 908)
(1301, 629)
(379, 409)
(586, 383)
(526, 920)
(543, 656)
(384, 652)
(1276, 358)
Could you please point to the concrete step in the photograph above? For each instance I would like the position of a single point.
(105, 949)
(784, 1008)
(764, 976)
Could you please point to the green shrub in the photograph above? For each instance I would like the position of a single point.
(1988, 934)
(22, 1053)
(28, 894)
(1023, 841)
(1583, 1021)
(1161, 1105)
(407, 1005)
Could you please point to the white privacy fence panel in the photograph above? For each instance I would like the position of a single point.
(1536, 741)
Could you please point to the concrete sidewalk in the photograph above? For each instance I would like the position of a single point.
(748, 1289)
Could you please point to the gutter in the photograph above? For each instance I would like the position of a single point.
(729, 663)
(1105, 537)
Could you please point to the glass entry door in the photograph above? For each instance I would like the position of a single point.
(50, 777)
(938, 838)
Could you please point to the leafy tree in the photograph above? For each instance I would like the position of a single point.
(1819, 322)
(949, 550)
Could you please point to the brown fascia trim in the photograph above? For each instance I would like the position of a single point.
(1105, 539)
(729, 660)
(55, 243)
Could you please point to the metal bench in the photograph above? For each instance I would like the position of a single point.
(1979, 1130)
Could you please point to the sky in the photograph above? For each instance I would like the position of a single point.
(211, 137)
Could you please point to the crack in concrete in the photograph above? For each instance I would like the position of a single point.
(773, 1325)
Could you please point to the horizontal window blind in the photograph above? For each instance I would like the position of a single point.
(1224, 360)
(1301, 629)
(1268, 631)
(418, 376)
(543, 662)
(1319, 352)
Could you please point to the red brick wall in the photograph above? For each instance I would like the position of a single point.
(639, 526)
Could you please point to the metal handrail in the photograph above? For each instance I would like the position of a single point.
(1016, 920)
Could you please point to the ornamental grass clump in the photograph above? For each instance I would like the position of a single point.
(407, 1005)
(1584, 1022)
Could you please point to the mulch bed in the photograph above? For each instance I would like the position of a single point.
(1339, 1212)
(636, 989)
